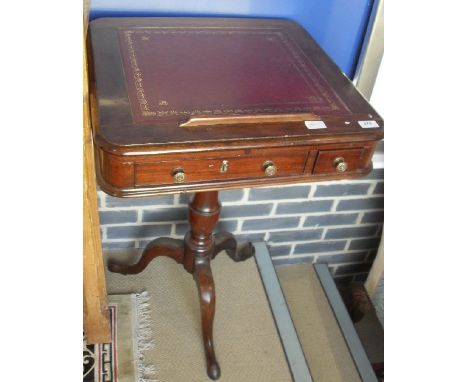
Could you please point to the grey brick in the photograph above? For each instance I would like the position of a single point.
(350, 232)
(320, 246)
(252, 237)
(115, 217)
(147, 201)
(352, 268)
(279, 250)
(361, 204)
(365, 243)
(138, 231)
(118, 244)
(181, 229)
(224, 196)
(375, 174)
(279, 193)
(270, 223)
(292, 260)
(226, 225)
(223, 225)
(185, 198)
(343, 258)
(295, 235)
(246, 210)
(342, 189)
(231, 195)
(304, 207)
(373, 217)
(379, 189)
(330, 219)
(165, 215)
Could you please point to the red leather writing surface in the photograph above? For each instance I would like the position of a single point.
(175, 73)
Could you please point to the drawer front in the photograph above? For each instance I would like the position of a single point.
(223, 166)
(338, 161)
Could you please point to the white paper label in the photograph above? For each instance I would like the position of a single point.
(311, 125)
(368, 124)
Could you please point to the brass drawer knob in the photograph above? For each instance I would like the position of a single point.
(224, 167)
(340, 164)
(179, 175)
(269, 168)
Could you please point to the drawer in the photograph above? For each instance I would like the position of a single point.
(338, 161)
(265, 163)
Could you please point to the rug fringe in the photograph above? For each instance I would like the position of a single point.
(143, 336)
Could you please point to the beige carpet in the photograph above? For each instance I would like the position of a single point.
(321, 339)
(246, 341)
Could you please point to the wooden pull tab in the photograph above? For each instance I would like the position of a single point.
(237, 119)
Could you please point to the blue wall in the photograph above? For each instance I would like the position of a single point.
(337, 25)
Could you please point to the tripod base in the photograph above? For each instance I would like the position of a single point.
(195, 253)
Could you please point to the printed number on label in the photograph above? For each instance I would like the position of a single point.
(368, 124)
(311, 125)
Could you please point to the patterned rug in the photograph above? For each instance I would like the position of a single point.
(122, 360)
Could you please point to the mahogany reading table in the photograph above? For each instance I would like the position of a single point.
(208, 104)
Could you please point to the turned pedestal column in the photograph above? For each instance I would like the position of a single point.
(195, 252)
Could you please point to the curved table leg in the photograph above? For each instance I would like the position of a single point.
(226, 241)
(204, 279)
(162, 246)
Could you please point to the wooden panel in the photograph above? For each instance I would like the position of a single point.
(287, 161)
(326, 158)
(95, 313)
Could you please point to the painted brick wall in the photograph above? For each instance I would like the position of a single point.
(337, 222)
